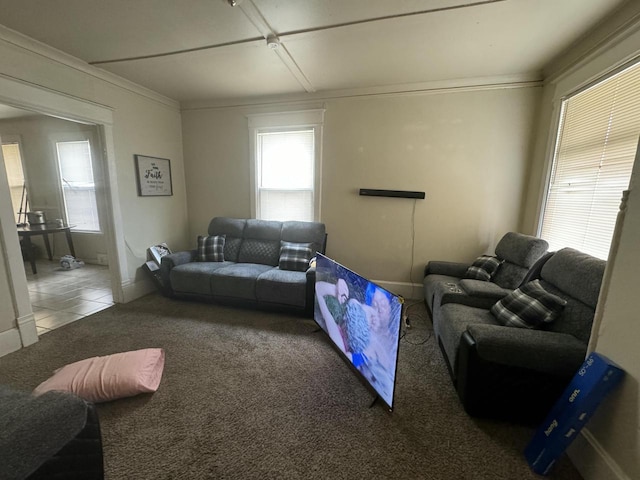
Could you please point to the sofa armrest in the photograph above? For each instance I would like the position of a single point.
(538, 350)
(179, 258)
(498, 386)
(452, 269)
(170, 261)
(479, 288)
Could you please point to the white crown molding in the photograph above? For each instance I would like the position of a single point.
(36, 47)
(426, 88)
(564, 65)
(33, 97)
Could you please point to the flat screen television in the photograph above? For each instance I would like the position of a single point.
(363, 320)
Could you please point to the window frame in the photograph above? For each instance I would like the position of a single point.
(555, 133)
(97, 177)
(282, 121)
(17, 139)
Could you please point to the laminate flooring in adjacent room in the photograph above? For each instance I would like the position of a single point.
(59, 296)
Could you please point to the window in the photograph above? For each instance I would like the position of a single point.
(78, 185)
(593, 159)
(285, 167)
(15, 176)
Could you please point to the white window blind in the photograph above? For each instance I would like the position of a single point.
(15, 176)
(595, 150)
(285, 189)
(78, 185)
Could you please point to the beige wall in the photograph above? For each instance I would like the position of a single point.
(143, 123)
(37, 135)
(617, 426)
(609, 447)
(467, 150)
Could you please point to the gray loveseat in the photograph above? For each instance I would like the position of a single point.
(518, 373)
(250, 271)
(444, 282)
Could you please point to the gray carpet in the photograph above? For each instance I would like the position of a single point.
(257, 395)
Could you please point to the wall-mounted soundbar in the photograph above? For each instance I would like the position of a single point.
(370, 192)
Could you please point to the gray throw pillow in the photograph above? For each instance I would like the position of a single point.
(210, 249)
(294, 256)
(483, 268)
(529, 306)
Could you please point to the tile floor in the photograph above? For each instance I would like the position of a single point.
(61, 296)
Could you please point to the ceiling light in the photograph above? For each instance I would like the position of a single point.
(273, 42)
(233, 3)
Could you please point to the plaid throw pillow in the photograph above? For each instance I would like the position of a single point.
(529, 306)
(483, 268)
(294, 256)
(211, 249)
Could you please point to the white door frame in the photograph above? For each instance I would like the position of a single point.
(41, 100)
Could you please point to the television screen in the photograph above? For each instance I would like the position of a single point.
(363, 320)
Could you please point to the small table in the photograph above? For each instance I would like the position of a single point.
(28, 231)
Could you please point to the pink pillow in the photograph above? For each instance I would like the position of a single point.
(100, 379)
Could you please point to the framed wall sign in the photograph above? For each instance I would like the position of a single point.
(154, 176)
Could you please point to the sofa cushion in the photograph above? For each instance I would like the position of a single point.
(194, 277)
(575, 273)
(284, 287)
(294, 256)
(305, 232)
(483, 268)
(519, 252)
(259, 251)
(523, 250)
(451, 320)
(233, 229)
(529, 306)
(237, 280)
(210, 248)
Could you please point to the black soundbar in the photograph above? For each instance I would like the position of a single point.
(370, 192)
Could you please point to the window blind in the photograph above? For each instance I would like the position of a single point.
(593, 160)
(285, 175)
(78, 186)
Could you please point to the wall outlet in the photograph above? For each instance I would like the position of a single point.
(102, 259)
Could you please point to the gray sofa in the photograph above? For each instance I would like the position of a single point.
(249, 273)
(444, 282)
(518, 373)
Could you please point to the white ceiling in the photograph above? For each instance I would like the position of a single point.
(193, 50)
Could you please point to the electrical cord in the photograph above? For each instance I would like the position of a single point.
(413, 242)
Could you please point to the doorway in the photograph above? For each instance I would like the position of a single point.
(52, 104)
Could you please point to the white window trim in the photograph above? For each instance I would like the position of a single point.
(560, 95)
(81, 136)
(277, 121)
(17, 139)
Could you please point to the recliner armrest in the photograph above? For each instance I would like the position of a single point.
(178, 258)
(537, 350)
(170, 261)
(479, 288)
(452, 269)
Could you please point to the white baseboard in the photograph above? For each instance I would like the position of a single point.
(134, 290)
(10, 341)
(592, 460)
(28, 330)
(410, 291)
